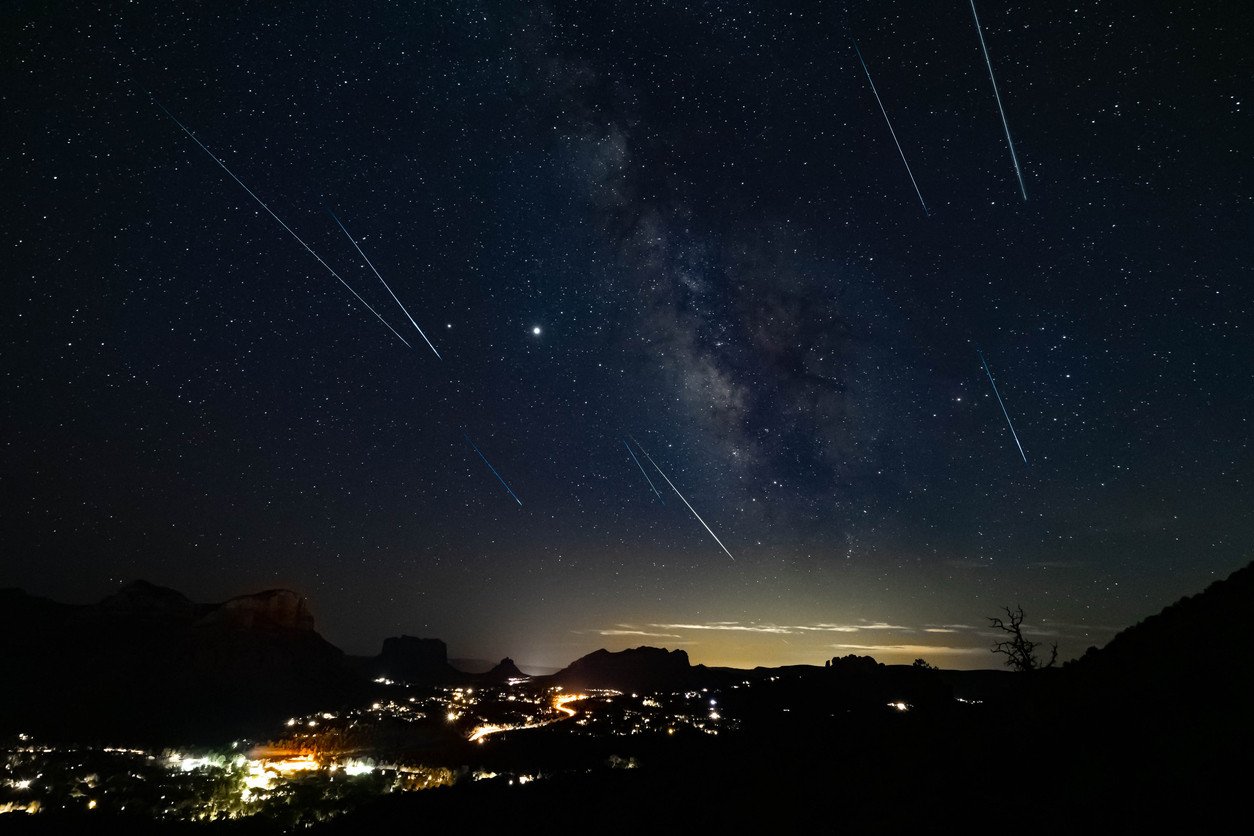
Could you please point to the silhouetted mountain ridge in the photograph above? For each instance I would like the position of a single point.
(503, 671)
(147, 662)
(1180, 658)
(411, 659)
(639, 669)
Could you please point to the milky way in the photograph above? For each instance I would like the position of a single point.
(698, 209)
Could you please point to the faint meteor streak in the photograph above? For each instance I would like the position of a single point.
(280, 220)
(685, 501)
(385, 284)
(890, 128)
(493, 469)
(644, 472)
(1014, 158)
(1014, 434)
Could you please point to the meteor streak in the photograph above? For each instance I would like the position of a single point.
(1013, 157)
(644, 472)
(493, 469)
(385, 284)
(1014, 434)
(685, 501)
(890, 128)
(280, 220)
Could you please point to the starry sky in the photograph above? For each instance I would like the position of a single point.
(686, 224)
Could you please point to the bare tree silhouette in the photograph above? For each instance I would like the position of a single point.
(1020, 651)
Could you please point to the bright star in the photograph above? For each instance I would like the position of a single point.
(536, 330)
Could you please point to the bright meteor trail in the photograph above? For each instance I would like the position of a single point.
(1014, 434)
(890, 128)
(1014, 158)
(385, 284)
(685, 501)
(493, 469)
(280, 220)
(643, 472)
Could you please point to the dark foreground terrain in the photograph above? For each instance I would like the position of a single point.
(1153, 730)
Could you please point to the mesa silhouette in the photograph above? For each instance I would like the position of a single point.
(148, 665)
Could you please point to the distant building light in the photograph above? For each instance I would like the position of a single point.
(358, 768)
(190, 764)
(300, 764)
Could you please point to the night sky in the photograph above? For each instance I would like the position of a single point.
(686, 223)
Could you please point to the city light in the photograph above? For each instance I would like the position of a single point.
(322, 754)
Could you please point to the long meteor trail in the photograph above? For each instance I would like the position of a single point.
(385, 284)
(1014, 434)
(891, 132)
(644, 472)
(504, 484)
(685, 501)
(1014, 158)
(263, 205)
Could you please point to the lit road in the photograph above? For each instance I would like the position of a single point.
(560, 701)
(481, 733)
